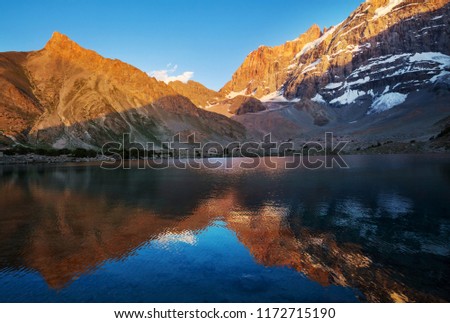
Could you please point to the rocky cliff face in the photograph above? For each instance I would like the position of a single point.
(266, 69)
(384, 50)
(67, 96)
(383, 44)
(386, 54)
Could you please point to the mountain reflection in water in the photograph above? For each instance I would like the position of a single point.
(378, 231)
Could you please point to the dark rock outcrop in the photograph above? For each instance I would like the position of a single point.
(243, 104)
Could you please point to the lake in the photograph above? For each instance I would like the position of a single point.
(378, 231)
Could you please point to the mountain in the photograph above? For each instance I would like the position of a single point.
(65, 96)
(199, 94)
(380, 76)
(266, 69)
(386, 54)
(378, 34)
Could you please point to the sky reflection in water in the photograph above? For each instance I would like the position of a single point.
(379, 231)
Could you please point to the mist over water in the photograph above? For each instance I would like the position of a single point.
(378, 231)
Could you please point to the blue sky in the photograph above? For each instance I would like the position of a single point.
(208, 38)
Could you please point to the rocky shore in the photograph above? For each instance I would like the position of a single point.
(40, 159)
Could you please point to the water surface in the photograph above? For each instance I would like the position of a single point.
(378, 231)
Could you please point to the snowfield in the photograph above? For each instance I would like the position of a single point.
(433, 63)
(387, 101)
(232, 94)
(380, 12)
(276, 96)
(348, 97)
(318, 98)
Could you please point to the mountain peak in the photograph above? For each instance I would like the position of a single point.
(313, 31)
(313, 28)
(57, 36)
(59, 42)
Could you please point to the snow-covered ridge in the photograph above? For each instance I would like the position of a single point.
(316, 42)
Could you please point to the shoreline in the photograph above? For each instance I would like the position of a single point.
(42, 159)
(33, 159)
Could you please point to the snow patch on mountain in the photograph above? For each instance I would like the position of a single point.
(233, 94)
(348, 97)
(318, 98)
(316, 42)
(353, 28)
(440, 58)
(332, 86)
(437, 17)
(387, 101)
(434, 63)
(382, 11)
(359, 81)
(311, 66)
(440, 76)
(431, 66)
(381, 60)
(277, 96)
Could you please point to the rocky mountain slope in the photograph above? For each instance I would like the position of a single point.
(379, 34)
(199, 94)
(266, 69)
(386, 54)
(238, 105)
(67, 96)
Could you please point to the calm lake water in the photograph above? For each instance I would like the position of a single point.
(378, 231)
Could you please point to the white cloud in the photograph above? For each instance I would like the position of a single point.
(165, 75)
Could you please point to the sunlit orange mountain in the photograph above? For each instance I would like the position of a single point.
(68, 96)
(200, 95)
(381, 75)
